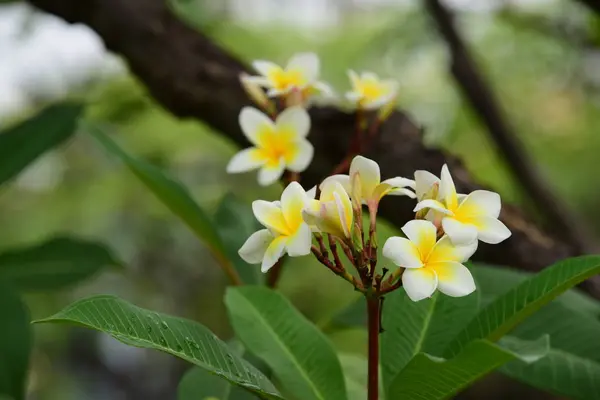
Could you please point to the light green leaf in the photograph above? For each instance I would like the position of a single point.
(299, 355)
(15, 344)
(23, 143)
(235, 223)
(196, 13)
(355, 373)
(494, 281)
(431, 378)
(173, 195)
(54, 264)
(425, 326)
(185, 339)
(508, 310)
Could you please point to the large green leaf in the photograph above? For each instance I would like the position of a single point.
(508, 310)
(494, 281)
(172, 194)
(15, 344)
(54, 264)
(23, 143)
(299, 355)
(199, 384)
(431, 378)
(185, 339)
(235, 222)
(424, 326)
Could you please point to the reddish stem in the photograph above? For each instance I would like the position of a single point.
(373, 314)
(274, 274)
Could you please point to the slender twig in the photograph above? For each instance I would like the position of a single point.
(346, 250)
(374, 319)
(334, 252)
(479, 94)
(274, 273)
(343, 273)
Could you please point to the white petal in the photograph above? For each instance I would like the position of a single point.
(458, 232)
(402, 192)
(353, 97)
(245, 160)
(445, 250)
(344, 180)
(323, 89)
(419, 283)
(294, 120)
(344, 207)
(265, 68)
(480, 203)
(447, 188)
(303, 157)
(423, 234)
(400, 182)
(253, 250)
(257, 80)
(269, 174)
(378, 102)
(490, 230)
(432, 204)
(277, 92)
(273, 253)
(252, 122)
(293, 201)
(424, 180)
(270, 215)
(454, 279)
(402, 252)
(300, 243)
(311, 193)
(369, 174)
(307, 63)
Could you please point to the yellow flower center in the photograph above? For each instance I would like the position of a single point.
(275, 144)
(371, 90)
(284, 80)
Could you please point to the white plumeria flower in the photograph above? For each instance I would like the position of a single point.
(301, 74)
(286, 230)
(369, 92)
(332, 213)
(430, 265)
(464, 218)
(366, 173)
(278, 145)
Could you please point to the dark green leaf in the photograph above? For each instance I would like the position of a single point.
(299, 355)
(15, 344)
(508, 310)
(414, 327)
(54, 264)
(198, 384)
(235, 222)
(430, 378)
(22, 144)
(185, 339)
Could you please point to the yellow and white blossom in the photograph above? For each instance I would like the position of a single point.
(301, 74)
(277, 145)
(286, 231)
(332, 213)
(430, 265)
(365, 174)
(369, 92)
(464, 218)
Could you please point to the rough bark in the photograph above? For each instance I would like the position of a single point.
(192, 77)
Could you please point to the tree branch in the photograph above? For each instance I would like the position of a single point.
(193, 78)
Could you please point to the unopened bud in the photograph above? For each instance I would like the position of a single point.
(255, 92)
(386, 110)
(357, 238)
(356, 188)
(432, 193)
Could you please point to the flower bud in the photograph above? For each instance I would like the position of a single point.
(255, 92)
(432, 193)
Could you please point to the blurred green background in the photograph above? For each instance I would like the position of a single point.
(542, 57)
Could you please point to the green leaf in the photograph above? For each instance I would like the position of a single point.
(508, 310)
(355, 374)
(199, 384)
(15, 344)
(185, 339)
(54, 264)
(23, 143)
(235, 222)
(195, 13)
(299, 355)
(172, 194)
(424, 326)
(494, 281)
(431, 378)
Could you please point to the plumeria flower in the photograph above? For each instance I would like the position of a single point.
(369, 92)
(286, 231)
(464, 218)
(430, 265)
(301, 74)
(278, 145)
(332, 213)
(366, 174)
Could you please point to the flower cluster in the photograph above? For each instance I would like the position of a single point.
(444, 233)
